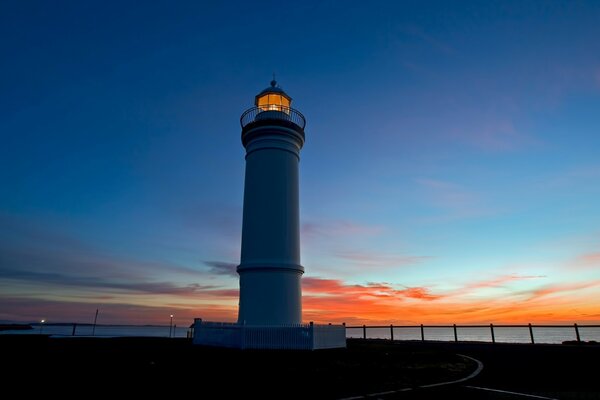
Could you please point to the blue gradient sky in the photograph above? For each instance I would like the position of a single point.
(451, 170)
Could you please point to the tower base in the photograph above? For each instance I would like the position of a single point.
(283, 337)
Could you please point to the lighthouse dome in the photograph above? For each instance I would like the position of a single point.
(273, 98)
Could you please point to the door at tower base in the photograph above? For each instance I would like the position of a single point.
(290, 337)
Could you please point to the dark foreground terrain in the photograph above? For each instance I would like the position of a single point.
(519, 371)
(175, 366)
(125, 367)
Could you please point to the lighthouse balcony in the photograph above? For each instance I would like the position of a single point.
(272, 113)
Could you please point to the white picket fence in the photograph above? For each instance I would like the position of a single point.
(283, 337)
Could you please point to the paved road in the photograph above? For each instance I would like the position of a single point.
(520, 371)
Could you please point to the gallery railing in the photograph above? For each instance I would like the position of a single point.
(272, 112)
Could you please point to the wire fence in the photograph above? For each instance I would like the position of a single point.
(527, 333)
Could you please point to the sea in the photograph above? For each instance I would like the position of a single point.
(102, 330)
(478, 334)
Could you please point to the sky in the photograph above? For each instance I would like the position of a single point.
(451, 170)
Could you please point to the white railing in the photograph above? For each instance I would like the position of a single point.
(221, 335)
(282, 337)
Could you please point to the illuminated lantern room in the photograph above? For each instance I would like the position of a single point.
(272, 105)
(273, 98)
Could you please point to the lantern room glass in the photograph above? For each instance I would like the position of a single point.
(273, 102)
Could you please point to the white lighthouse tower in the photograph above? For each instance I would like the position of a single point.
(270, 306)
(270, 270)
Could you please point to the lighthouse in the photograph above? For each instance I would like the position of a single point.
(270, 304)
(270, 269)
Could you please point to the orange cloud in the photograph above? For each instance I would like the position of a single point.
(334, 287)
(419, 293)
(588, 260)
(330, 300)
(499, 281)
(562, 288)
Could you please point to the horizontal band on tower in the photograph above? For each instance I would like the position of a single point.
(273, 142)
(255, 131)
(271, 267)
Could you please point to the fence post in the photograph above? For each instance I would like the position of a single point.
(364, 331)
(422, 333)
(455, 334)
(492, 331)
(75, 327)
(531, 334)
(577, 333)
(243, 345)
(392, 332)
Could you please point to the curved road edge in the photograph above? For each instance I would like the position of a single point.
(470, 376)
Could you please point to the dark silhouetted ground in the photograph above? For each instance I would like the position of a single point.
(125, 367)
(175, 365)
